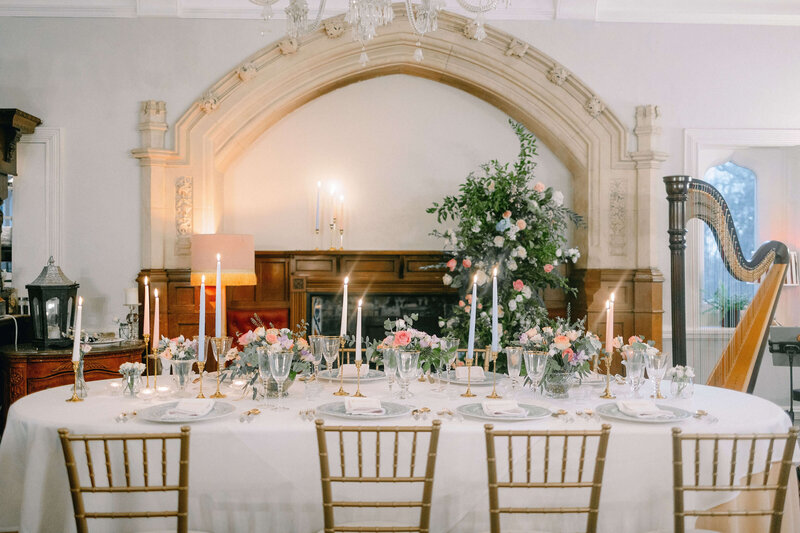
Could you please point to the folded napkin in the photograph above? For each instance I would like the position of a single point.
(189, 409)
(349, 371)
(363, 406)
(644, 409)
(475, 375)
(503, 408)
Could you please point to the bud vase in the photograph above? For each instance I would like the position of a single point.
(557, 384)
(182, 373)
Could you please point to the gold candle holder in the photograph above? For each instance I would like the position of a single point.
(607, 395)
(147, 358)
(155, 369)
(468, 393)
(333, 235)
(316, 239)
(494, 395)
(341, 391)
(341, 238)
(74, 397)
(219, 352)
(358, 380)
(200, 366)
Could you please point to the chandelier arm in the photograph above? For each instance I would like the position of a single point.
(480, 8)
(318, 20)
(413, 20)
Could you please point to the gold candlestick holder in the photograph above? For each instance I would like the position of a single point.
(147, 358)
(200, 366)
(316, 238)
(607, 395)
(468, 393)
(220, 345)
(341, 391)
(155, 369)
(75, 397)
(341, 238)
(358, 380)
(333, 235)
(494, 395)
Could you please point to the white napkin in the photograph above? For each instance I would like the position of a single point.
(475, 375)
(503, 408)
(349, 371)
(363, 406)
(189, 409)
(644, 409)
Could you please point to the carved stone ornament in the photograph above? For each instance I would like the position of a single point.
(517, 48)
(594, 106)
(557, 75)
(289, 46)
(471, 30)
(209, 102)
(183, 214)
(246, 71)
(617, 217)
(334, 28)
(154, 109)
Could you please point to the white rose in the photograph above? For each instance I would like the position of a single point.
(518, 298)
(558, 198)
(526, 291)
(573, 335)
(522, 253)
(651, 351)
(481, 277)
(441, 323)
(499, 241)
(447, 279)
(558, 252)
(511, 264)
(514, 252)
(689, 372)
(400, 323)
(476, 228)
(512, 305)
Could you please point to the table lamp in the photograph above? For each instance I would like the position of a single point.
(238, 259)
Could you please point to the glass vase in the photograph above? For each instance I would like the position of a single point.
(131, 384)
(80, 383)
(182, 373)
(557, 384)
(682, 388)
(272, 387)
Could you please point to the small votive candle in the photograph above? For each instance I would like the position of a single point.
(162, 391)
(147, 394)
(115, 388)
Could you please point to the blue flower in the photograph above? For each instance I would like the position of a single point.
(503, 225)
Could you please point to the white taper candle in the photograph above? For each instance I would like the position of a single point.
(155, 323)
(146, 323)
(201, 334)
(495, 331)
(358, 333)
(473, 305)
(218, 316)
(76, 344)
(343, 329)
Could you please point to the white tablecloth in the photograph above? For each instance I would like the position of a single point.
(264, 475)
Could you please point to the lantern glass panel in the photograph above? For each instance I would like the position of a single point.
(36, 308)
(69, 311)
(53, 323)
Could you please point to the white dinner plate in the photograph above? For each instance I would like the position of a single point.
(610, 410)
(487, 379)
(475, 410)
(372, 375)
(155, 412)
(338, 410)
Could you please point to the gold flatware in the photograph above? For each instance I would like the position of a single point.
(247, 416)
(125, 416)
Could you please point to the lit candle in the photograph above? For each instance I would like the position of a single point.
(316, 221)
(343, 329)
(146, 394)
(146, 324)
(358, 333)
(610, 324)
(218, 321)
(155, 323)
(76, 344)
(201, 338)
(473, 305)
(495, 332)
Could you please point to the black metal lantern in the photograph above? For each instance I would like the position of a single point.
(53, 297)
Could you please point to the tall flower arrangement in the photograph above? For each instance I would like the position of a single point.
(504, 218)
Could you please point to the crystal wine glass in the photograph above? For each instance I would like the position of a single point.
(514, 364)
(535, 363)
(280, 363)
(634, 371)
(264, 371)
(450, 349)
(656, 368)
(390, 366)
(317, 352)
(407, 370)
(330, 352)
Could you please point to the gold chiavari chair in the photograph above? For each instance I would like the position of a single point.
(549, 480)
(395, 475)
(151, 482)
(478, 352)
(727, 482)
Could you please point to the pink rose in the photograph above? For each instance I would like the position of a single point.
(548, 268)
(469, 298)
(633, 339)
(451, 264)
(467, 263)
(561, 342)
(539, 187)
(480, 305)
(461, 303)
(402, 338)
(271, 338)
(507, 214)
(521, 224)
(166, 354)
(519, 285)
(468, 308)
(247, 338)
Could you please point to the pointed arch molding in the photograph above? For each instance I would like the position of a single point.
(502, 70)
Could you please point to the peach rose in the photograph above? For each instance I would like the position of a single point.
(521, 224)
(561, 342)
(247, 338)
(461, 303)
(402, 338)
(467, 263)
(480, 305)
(519, 285)
(507, 214)
(271, 338)
(539, 187)
(548, 268)
(633, 339)
(469, 298)
(451, 264)
(468, 308)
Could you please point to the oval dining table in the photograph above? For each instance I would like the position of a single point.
(263, 474)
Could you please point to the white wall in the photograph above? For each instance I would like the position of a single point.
(87, 77)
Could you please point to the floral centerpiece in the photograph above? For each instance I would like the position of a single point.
(400, 334)
(243, 364)
(636, 343)
(131, 372)
(682, 377)
(504, 219)
(177, 349)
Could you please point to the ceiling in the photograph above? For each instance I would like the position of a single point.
(754, 12)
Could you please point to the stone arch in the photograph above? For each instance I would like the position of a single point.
(609, 184)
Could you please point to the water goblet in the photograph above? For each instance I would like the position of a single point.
(330, 351)
(390, 366)
(317, 343)
(264, 371)
(535, 363)
(449, 347)
(514, 364)
(407, 370)
(280, 363)
(656, 364)
(634, 371)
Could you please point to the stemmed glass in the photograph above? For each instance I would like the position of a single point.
(330, 351)
(535, 363)
(390, 366)
(264, 371)
(634, 371)
(449, 346)
(514, 364)
(407, 370)
(280, 363)
(317, 351)
(656, 367)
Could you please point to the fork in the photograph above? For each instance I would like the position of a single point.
(125, 416)
(247, 416)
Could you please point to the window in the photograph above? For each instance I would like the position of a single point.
(738, 186)
(5, 234)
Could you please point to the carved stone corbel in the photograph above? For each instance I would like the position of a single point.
(517, 48)
(594, 106)
(246, 72)
(289, 46)
(209, 102)
(557, 75)
(334, 28)
(13, 124)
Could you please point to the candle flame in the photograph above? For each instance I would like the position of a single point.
(612, 297)
(155, 292)
(319, 184)
(475, 279)
(341, 198)
(359, 302)
(145, 281)
(608, 305)
(203, 278)
(219, 257)
(80, 301)
(494, 273)
(346, 280)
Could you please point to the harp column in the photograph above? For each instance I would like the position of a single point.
(677, 192)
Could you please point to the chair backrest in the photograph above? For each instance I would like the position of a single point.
(75, 446)
(732, 477)
(571, 474)
(365, 474)
(478, 352)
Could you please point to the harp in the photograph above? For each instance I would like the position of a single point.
(738, 364)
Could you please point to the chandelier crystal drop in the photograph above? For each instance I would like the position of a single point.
(366, 16)
(297, 18)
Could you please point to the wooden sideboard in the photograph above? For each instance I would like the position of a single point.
(25, 370)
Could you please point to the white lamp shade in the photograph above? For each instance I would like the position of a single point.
(238, 259)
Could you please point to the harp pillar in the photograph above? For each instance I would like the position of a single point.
(677, 189)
